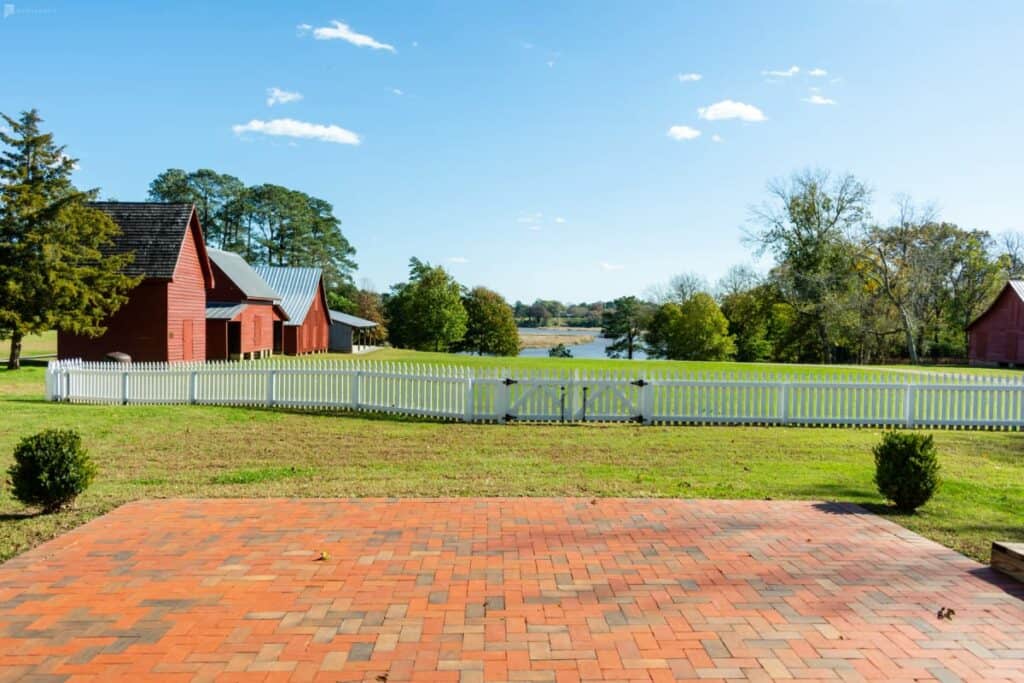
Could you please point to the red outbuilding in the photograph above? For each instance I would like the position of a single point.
(996, 337)
(165, 316)
(304, 300)
(241, 310)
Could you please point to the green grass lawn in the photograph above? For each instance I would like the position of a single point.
(152, 452)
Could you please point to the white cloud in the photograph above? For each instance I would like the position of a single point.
(817, 71)
(819, 99)
(341, 31)
(534, 228)
(299, 129)
(528, 46)
(278, 96)
(608, 267)
(728, 109)
(534, 217)
(791, 71)
(683, 133)
(559, 219)
(689, 78)
(303, 29)
(716, 138)
(458, 259)
(551, 63)
(415, 43)
(396, 91)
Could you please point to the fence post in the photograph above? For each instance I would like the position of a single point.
(646, 401)
(192, 380)
(783, 403)
(908, 405)
(468, 408)
(504, 397)
(354, 390)
(124, 388)
(271, 380)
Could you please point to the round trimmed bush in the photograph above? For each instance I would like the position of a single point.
(50, 469)
(906, 469)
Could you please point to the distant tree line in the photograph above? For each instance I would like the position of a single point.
(545, 312)
(844, 287)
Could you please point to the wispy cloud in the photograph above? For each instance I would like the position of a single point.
(278, 96)
(683, 133)
(819, 99)
(458, 259)
(534, 217)
(528, 46)
(716, 138)
(608, 267)
(817, 72)
(534, 228)
(788, 73)
(729, 109)
(342, 31)
(397, 91)
(559, 219)
(689, 78)
(299, 129)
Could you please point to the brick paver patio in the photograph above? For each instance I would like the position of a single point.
(491, 590)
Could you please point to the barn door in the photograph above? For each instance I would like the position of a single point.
(186, 340)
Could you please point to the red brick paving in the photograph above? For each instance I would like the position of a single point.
(502, 590)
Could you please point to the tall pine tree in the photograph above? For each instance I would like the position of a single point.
(53, 273)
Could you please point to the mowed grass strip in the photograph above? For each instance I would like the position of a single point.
(198, 451)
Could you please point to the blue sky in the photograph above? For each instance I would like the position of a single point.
(526, 145)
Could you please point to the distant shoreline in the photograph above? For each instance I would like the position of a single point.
(547, 337)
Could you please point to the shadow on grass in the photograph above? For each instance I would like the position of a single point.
(19, 516)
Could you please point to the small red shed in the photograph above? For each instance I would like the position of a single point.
(304, 300)
(241, 310)
(165, 316)
(996, 337)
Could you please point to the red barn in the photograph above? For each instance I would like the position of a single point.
(996, 337)
(304, 300)
(165, 316)
(241, 310)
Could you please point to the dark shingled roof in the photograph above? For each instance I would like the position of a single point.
(153, 230)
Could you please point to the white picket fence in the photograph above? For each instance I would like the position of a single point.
(493, 395)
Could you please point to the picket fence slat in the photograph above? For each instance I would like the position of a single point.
(940, 401)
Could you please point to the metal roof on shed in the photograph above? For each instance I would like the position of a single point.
(220, 310)
(351, 320)
(243, 275)
(296, 286)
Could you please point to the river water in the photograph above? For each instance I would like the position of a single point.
(592, 349)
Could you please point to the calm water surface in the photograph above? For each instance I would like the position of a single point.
(592, 349)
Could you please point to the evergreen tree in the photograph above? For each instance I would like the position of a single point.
(53, 273)
(624, 323)
(491, 327)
